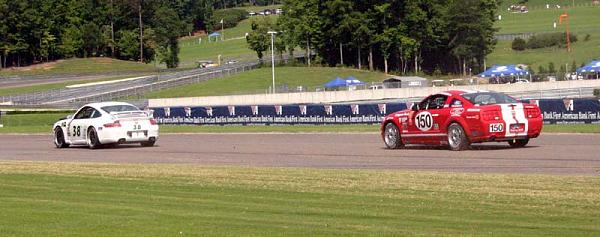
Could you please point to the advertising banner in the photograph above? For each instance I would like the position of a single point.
(278, 114)
(570, 111)
(554, 111)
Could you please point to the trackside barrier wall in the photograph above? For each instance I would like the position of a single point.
(340, 96)
(573, 111)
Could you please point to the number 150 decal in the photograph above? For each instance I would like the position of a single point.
(424, 121)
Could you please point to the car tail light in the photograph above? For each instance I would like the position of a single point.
(153, 121)
(532, 112)
(490, 115)
(114, 124)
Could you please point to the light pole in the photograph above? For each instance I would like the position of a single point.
(222, 32)
(273, 58)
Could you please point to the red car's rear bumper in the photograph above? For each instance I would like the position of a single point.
(481, 133)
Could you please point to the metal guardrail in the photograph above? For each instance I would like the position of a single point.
(74, 97)
(582, 92)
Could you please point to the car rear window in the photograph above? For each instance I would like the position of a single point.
(119, 108)
(488, 98)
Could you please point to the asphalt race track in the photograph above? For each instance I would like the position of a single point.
(549, 154)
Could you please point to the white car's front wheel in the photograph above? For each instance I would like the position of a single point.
(59, 138)
(92, 139)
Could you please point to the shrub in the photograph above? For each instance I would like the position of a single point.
(519, 44)
(551, 68)
(542, 70)
(230, 18)
(587, 37)
(597, 93)
(550, 40)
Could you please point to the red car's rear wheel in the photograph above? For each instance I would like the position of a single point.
(518, 142)
(457, 139)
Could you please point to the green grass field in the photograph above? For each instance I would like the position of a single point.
(58, 85)
(234, 46)
(77, 199)
(259, 81)
(582, 20)
(260, 8)
(535, 4)
(83, 66)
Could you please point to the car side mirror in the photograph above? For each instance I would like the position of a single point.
(415, 107)
(70, 116)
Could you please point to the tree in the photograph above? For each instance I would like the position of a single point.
(542, 70)
(561, 71)
(167, 27)
(471, 31)
(92, 39)
(551, 68)
(47, 44)
(72, 41)
(341, 32)
(258, 39)
(303, 21)
(128, 44)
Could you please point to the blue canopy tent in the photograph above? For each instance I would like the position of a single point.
(215, 34)
(352, 81)
(594, 66)
(337, 82)
(503, 71)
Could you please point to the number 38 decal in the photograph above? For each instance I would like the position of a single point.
(424, 121)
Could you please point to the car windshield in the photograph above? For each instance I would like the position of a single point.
(488, 98)
(119, 108)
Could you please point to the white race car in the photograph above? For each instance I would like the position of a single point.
(106, 123)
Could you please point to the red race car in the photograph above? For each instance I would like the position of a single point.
(459, 118)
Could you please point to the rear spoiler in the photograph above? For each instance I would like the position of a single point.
(130, 114)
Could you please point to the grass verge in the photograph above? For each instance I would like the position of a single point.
(74, 199)
(58, 85)
(82, 66)
(572, 128)
(259, 81)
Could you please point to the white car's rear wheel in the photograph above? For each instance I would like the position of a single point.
(149, 143)
(92, 139)
(59, 138)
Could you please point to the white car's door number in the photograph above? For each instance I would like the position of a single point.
(76, 131)
(496, 127)
(424, 121)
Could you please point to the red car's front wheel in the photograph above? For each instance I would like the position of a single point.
(391, 136)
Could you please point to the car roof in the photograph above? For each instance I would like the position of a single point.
(465, 91)
(102, 104)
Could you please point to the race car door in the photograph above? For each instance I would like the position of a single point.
(427, 119)
(77, 128)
